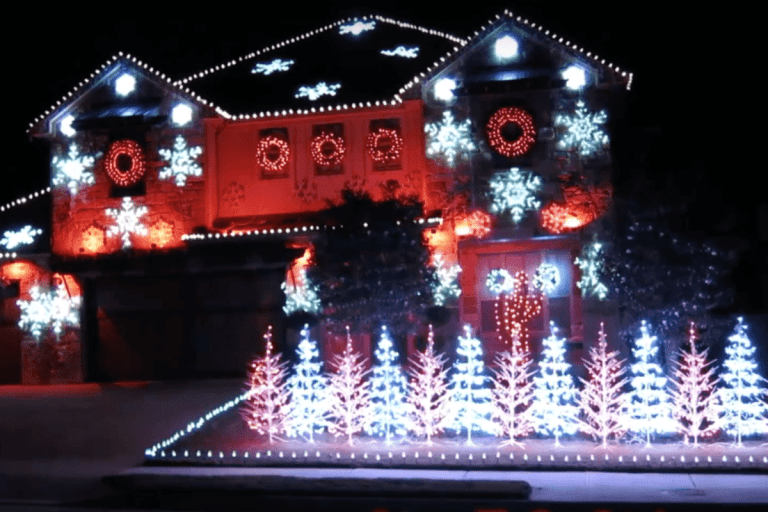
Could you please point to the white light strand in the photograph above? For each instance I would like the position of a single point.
(24, 236)
(274, 66)
(401, 51)
(314, 92)
(357, 28)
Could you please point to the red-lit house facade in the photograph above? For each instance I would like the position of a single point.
(178, 218)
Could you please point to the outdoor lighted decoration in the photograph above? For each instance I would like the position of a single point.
(591, 265)
(125, 163)
(274, 66)
(583, 131)
(24, 236)
(389, 412)
(581, 206)
(125, 84)
(514, 192)
(48, 310)
(182, 161)
(575, 77)
(314, 92)
(449, 140)
(428, 396)
(65, 127)
(402, 51)
(546, 278)
(495, 132)
(272, 153)
(327, 149)
(72, 171)
(128, 221)
(301, 295)
(476, 224)
(357, 27)
(444, 88)
(499, 280)
(349, 394)
(447, 285)
(181, 114)
(384, 145)
(513, 311)
(308, 408)
(513, 396)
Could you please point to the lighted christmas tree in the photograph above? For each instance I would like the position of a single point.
(603, 400)
(513, 395)
(388, 400)
(554, 396)
(696, 403)
(743, 388)
(348, 394)
(428, 391)
(470, 397)
(309, 406)
(650, 410)
(268, 397)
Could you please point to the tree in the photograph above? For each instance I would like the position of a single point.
(389, 414)
(743, 387)
(371, 266)
(308, 407)
(348, 394)
(696, 403)
(513, 395)
(268, 398)
(554, 397)
(471, 405)
(428, 391)
(603, 399)
(650, 411)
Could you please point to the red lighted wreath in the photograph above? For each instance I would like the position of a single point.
(327, 149)
(272, 153)
(384, 145)
(502, 118)
(124, 152)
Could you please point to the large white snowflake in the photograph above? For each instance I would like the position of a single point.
(448, 139)
(356, 28)
(52, 309)
(402, 51)
(277, 65)
(71, 171)
(24, 236)
(182, 161)
(315, 91)
(128, 219)
(546, 278)
(583, 131)
(514, 191)
(447, 284)
(591, 265)
(302, 296)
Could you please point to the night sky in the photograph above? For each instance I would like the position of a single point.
(683, 136)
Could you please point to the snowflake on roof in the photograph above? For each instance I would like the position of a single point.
(356, 28)
(72, 170)
(182, 161)
(24, 236)
(514, 191)
(128, 219)
(276, 66)
(315, 91)
(583, 131)
(449, 140)
(402, 51)
(53, 309)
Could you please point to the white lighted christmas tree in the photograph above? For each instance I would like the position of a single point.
(554, 396)
(428, 391)
(696, 404)
(743, 388)
(603, 401)
(309, 405)
(470, 396)
(268, 396)
(388, 401)
(650, 409)
(513, 395)
(348, 393)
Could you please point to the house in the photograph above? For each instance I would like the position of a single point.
(178, 206)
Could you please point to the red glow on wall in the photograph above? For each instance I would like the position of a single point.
(92, 240)
(69, 282)
(476, 224)
(161, 234)
(581, 205)
(26, 273)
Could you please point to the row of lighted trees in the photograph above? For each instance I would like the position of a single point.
(516, 400)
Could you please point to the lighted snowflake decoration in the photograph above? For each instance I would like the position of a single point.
(182, 160)
(302, 296)
(125, 85)
(546, 278)
(584, 133)
(276, 66)
(52, 310)
(24, 236)
(72, 170)
(591, 265)
(402, 51)
(315, 91)
(66, 126)
(499, 280)
(357, 28)
(449, 140)
(128, 219)
(447, 285)
(514, 191)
